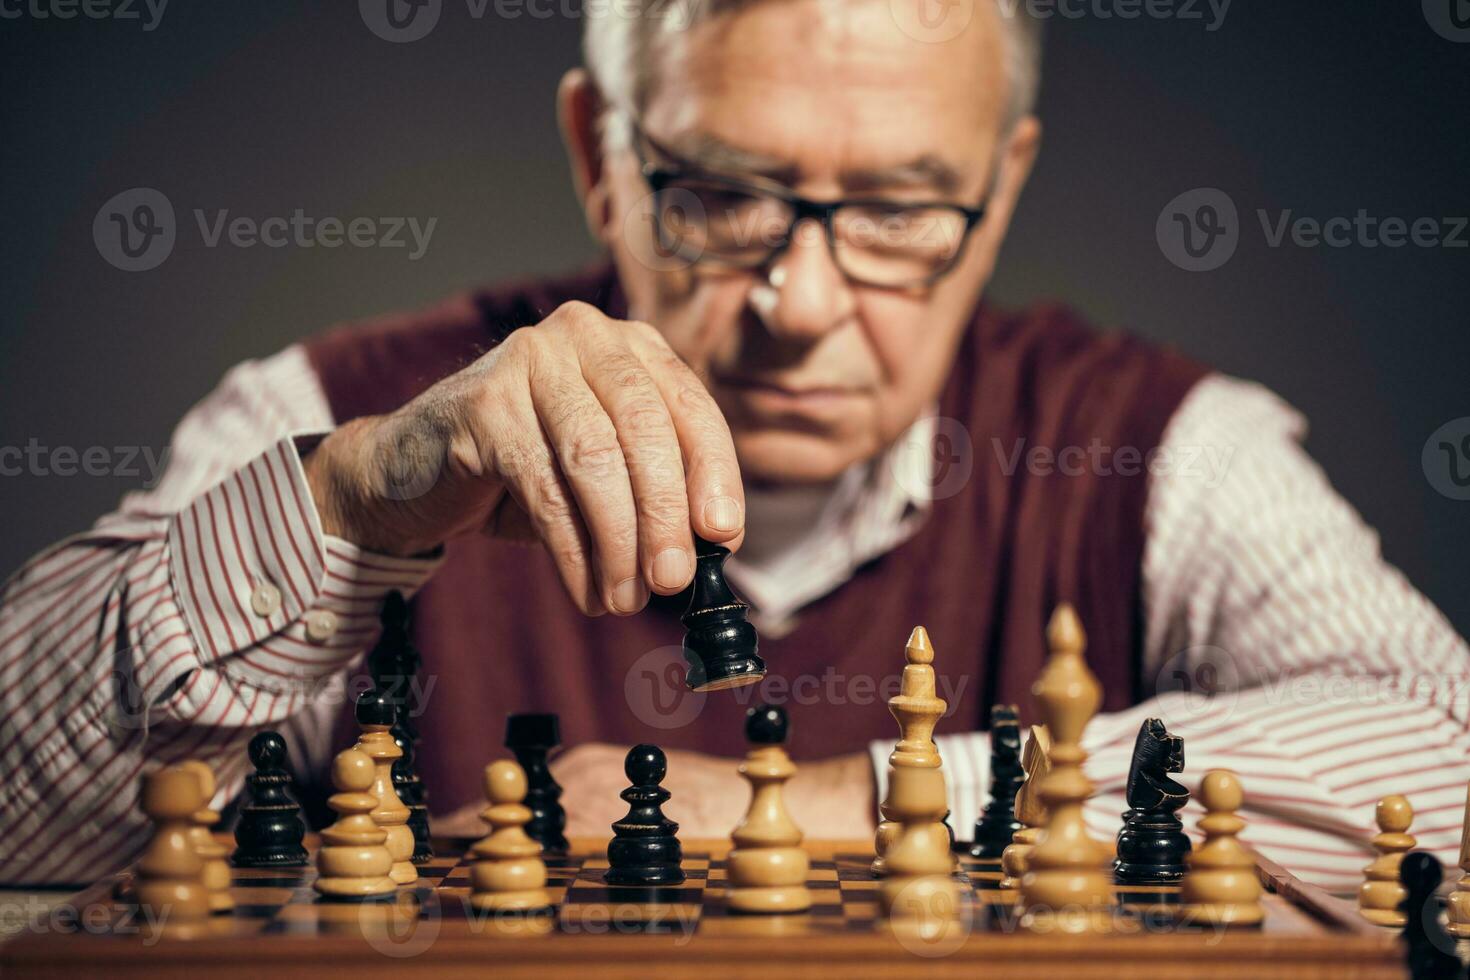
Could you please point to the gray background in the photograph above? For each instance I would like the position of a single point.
(261, 109)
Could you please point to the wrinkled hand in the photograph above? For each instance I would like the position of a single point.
(586, 432)
(831, 799)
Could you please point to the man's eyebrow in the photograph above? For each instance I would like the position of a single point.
(710, 153)
(926, 171)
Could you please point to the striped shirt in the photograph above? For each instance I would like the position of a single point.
(213, 605)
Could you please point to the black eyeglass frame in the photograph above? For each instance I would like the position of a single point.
(659, 178)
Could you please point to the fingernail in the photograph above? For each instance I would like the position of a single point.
(672, 568)
(629, 595)
(722, 514)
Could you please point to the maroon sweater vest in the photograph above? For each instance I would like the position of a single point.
(498, 635)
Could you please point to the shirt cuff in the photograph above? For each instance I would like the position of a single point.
(966, 762)
(253, 571)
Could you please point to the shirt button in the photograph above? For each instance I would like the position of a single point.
(265, 599)
(321, 625)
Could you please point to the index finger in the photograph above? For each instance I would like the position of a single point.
(711, 471)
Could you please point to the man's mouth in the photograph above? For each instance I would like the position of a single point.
(779, 394)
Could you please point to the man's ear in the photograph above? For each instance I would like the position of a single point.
(579, 112)
(1016, 161)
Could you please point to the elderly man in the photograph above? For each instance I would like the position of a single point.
(802, 202)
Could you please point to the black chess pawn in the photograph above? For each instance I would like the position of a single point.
(720, 644)
(1429, 950)
(531, 737)
(644, 850)
(394, 662)
(998, 823)
(410, 790)
(1152, 845)
(270, 830)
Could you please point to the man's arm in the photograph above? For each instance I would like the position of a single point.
(1287, 649)
(200, 611)
(1283, 647)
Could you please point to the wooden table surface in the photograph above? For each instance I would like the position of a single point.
(1308, 934)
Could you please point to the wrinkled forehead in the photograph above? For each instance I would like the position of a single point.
(825, 88)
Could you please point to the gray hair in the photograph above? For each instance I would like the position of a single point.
(622, 38)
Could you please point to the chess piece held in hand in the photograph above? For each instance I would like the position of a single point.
(1152, 844)
(270, 831)
(170, 876)
(353, 861)
(645, 850)
(767, 867)
(1382, 894)
(506, 870)
(720, 644)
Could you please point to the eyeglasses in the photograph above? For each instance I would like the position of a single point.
(746, 223)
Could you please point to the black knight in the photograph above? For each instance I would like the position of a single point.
(1152, 845)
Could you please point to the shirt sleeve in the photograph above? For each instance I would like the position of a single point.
(1281, 645)
(202, 610)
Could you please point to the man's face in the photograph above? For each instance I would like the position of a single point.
(813, 371)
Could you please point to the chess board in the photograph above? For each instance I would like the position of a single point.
(280, 928)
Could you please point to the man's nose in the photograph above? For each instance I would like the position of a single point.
(811, 294)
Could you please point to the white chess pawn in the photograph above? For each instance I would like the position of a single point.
(375, 716)
(768, 866)
(171, 872)
(211, 851)
(1221, 885)
(1382, 893)
(506, 869)
(353, 861)
(919, 894)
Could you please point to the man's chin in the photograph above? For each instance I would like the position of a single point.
(775, 456)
